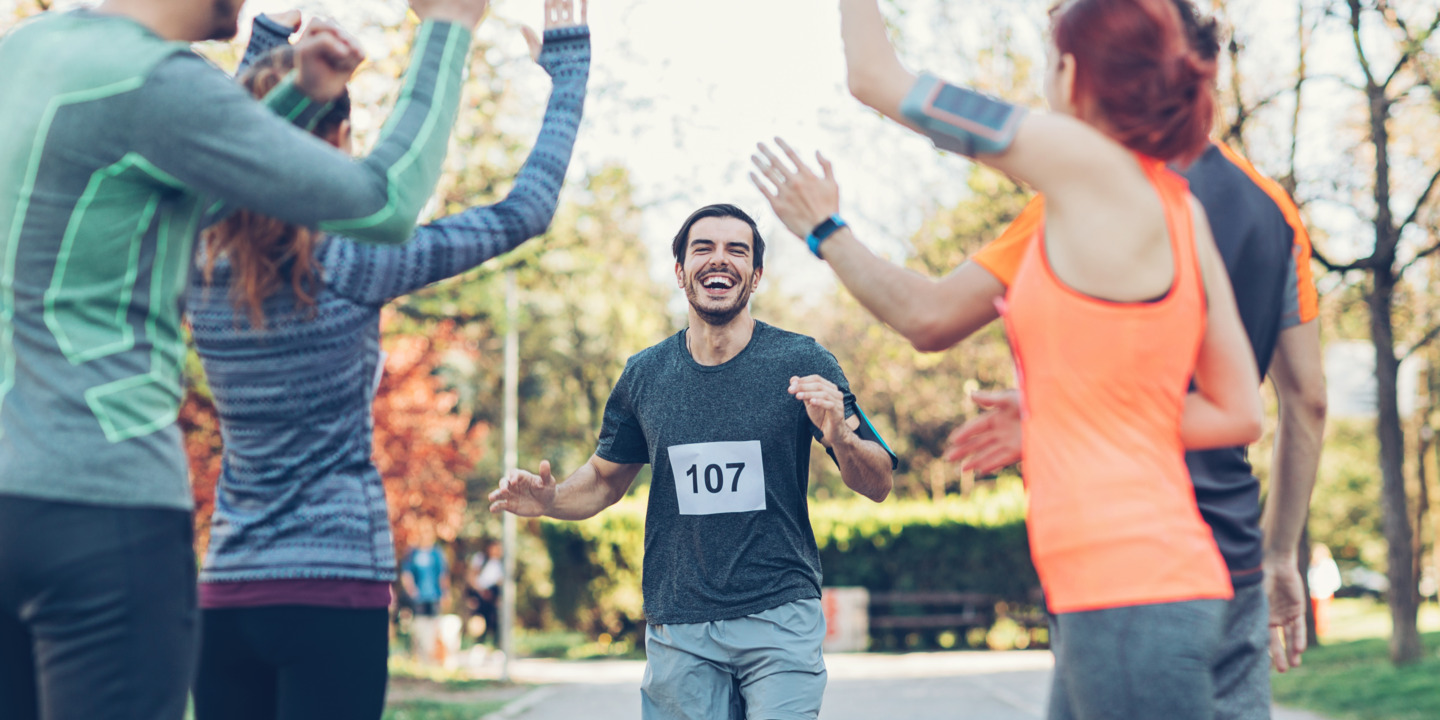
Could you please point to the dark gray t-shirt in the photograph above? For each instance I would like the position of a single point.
(724, 536)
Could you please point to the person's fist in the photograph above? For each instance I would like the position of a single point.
(325, 58)
(288, 18)
(467, 13)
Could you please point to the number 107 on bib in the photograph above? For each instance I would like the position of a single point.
(723, 477)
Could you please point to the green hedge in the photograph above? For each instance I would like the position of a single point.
(972, 544)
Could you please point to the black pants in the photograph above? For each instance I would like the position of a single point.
(97, 611)
(292, 662)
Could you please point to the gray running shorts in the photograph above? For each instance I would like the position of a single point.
(765, 666)
(1242, 666)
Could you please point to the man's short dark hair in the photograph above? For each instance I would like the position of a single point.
(682, 238)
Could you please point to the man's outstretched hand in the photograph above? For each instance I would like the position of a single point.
(525, 493)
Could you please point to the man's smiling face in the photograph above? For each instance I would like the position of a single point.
(718, 274)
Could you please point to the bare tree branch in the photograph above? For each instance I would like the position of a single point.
(1361, 264)
(1413, 44)
(1420, 202)
(1429, 337)
(1355, 12)
(1427, 252)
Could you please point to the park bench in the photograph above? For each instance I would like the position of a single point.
(932, 612)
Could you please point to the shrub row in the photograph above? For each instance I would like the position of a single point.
(973, 544)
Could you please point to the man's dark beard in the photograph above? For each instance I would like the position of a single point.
(717, 318)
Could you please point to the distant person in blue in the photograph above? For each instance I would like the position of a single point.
(425, 574)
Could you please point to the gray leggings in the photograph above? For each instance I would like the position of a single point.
(1136, 663)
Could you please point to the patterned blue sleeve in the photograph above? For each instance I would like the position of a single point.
(374, 275)
(265, 35)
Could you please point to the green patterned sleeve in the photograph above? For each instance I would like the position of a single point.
(199, 127)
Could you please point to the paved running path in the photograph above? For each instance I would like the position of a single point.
(967, 685)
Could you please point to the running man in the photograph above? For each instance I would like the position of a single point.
(119, 143)
(1266, 250)
(724, 411)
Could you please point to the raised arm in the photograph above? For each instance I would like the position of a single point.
(268, 32)
(1224, 408)
(452, 245)
(198, 130)
(596, 485)
(1056, 154)
(932, 314)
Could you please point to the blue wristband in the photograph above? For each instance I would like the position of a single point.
(823, 231)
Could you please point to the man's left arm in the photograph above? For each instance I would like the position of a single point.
(866, 465)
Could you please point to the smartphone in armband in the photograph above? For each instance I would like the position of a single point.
(959, 119)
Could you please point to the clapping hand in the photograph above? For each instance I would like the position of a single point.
(992, 440)
(325, 58)
(558, 14)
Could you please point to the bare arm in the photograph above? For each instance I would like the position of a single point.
(932, 314)
(596, 485)
(864, 465)
(1056, 154)
(1299, 379)
(1224, 409)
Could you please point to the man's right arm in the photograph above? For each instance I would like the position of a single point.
(1298, 375)
(596, 485)
(196, 129)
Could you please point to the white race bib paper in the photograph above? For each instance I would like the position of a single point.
(723, 477)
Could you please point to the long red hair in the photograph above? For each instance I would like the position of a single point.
(263, 251)
(1138, 72)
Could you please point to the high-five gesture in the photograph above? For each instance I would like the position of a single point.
(467, 13)
(801, 198)
(525, 493)
(558, 14)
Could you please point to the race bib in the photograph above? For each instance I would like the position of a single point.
(723, 477)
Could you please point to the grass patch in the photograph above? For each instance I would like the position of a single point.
(1354, 680)
(567, 645)
(437, 710)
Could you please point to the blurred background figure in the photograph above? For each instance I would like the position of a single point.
(486, 576)
(427, 582)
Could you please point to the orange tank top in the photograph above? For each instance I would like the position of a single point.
(1112, 515)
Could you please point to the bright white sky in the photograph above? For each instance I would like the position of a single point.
(682, 89)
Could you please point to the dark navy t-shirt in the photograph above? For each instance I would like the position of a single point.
(727, 530)
(1256, 242)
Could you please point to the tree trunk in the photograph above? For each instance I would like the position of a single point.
(1405, 644)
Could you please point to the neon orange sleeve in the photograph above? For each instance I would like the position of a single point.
(1305, 279)
(1002, 257)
